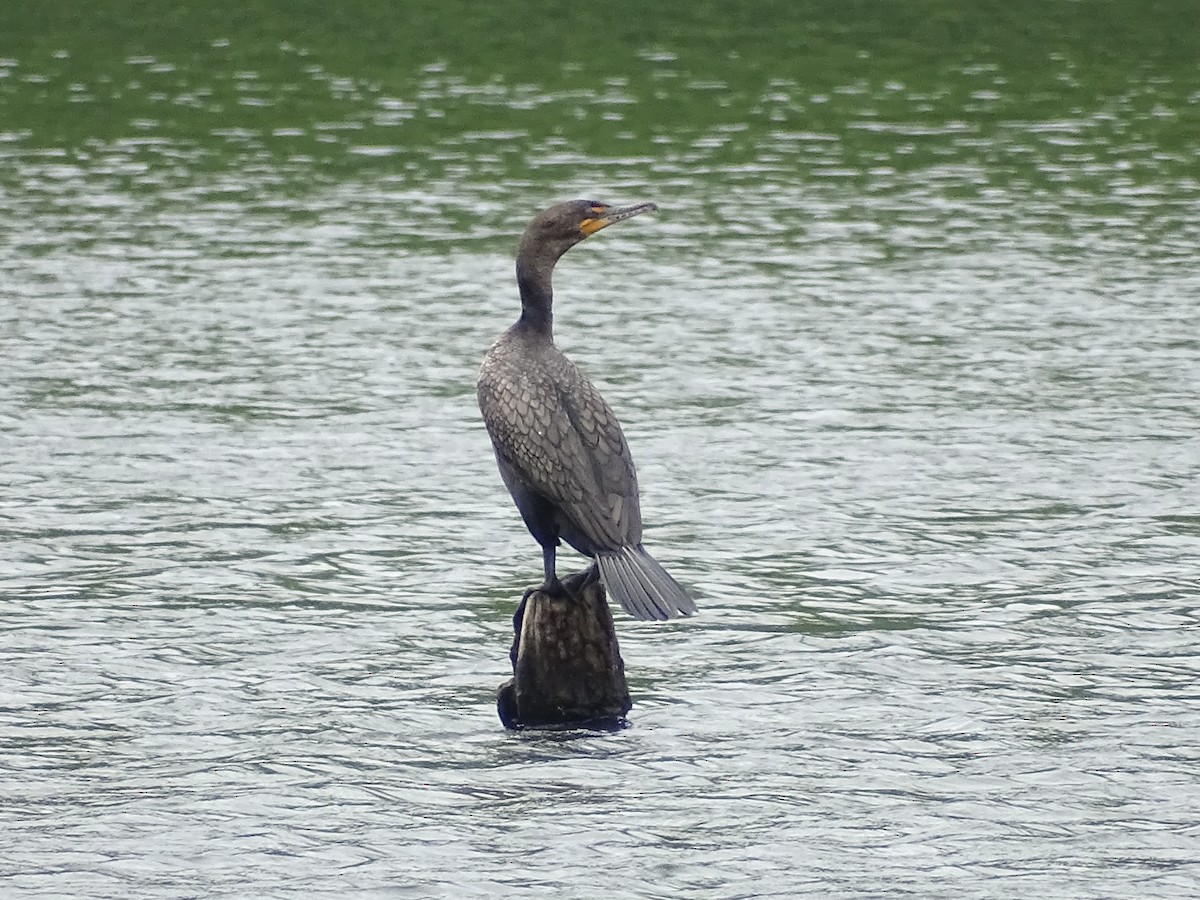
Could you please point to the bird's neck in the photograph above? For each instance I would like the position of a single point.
(533, 280)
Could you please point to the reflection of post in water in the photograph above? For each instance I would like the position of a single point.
(567, 667)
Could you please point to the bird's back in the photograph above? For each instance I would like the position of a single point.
(555, 432)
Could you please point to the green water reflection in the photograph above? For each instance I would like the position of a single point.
(1037, 94)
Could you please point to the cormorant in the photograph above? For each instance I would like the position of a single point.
(559, 447)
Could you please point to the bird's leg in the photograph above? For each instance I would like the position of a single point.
(551, 585)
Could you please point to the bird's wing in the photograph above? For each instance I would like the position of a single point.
(563, 441)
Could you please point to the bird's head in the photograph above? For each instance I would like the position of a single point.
(559, 228)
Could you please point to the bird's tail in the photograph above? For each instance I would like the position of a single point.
(641, 585)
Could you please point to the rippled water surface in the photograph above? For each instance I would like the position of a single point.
(908, 362)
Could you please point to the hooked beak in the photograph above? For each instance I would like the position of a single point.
(603, 216)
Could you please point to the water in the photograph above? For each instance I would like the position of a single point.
(907, 362)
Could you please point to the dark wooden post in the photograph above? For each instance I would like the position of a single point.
(567, 667)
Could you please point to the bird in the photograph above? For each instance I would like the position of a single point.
(558, 444)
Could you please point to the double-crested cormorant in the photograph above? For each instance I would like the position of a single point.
(559, 447)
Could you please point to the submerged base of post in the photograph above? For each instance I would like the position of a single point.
(567, 667)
